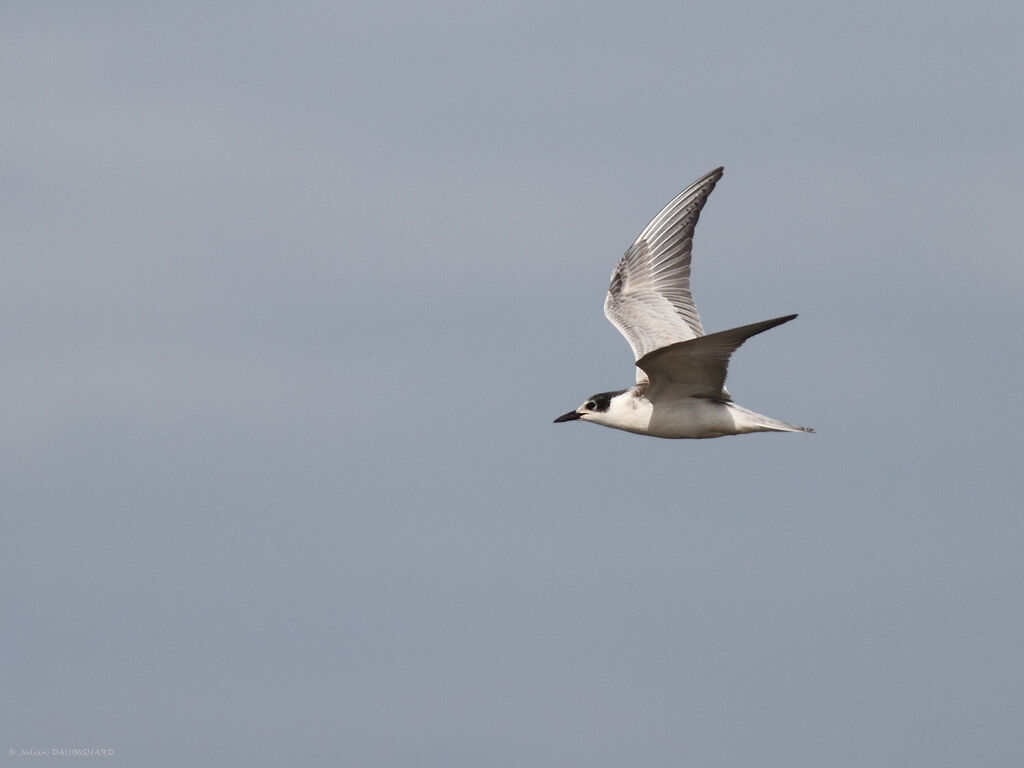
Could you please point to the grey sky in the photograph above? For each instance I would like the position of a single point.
(292, 294)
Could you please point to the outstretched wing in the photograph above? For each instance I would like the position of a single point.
(697, 367)
(649, 298)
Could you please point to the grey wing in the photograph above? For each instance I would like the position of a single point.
(649, 298)
(698, 367)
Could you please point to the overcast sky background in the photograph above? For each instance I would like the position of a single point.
(291, 294)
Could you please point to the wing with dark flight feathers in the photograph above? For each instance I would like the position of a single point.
(697, 367)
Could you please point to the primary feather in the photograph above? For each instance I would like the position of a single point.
(649, 297)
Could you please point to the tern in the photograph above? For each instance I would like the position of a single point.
(680, 372)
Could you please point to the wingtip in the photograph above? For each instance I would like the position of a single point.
(776, 321)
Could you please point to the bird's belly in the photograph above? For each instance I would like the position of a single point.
(692, 418)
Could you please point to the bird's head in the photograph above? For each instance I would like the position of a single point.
(594, 408)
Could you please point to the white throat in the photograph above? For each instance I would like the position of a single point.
(625, 411)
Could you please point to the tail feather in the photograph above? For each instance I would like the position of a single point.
(750, 421)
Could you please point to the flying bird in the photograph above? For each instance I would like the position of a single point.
(680, 372)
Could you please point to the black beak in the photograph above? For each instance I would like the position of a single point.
(570, 416)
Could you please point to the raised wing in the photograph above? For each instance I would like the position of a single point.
(697, 367)
(649, 298)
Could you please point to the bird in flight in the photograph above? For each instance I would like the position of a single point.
(680, 372)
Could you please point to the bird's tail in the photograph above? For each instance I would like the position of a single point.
(749, 421)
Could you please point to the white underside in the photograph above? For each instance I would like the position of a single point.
(688, 417)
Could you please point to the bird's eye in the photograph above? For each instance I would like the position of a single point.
(591, 405)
